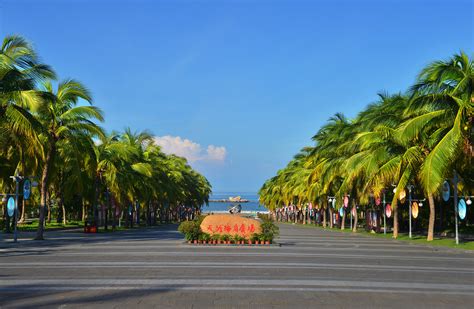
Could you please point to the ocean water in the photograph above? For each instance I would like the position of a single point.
(252, 205)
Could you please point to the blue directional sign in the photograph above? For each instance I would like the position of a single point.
(446, 191)
(26, 189)
(11, 206)
(462, 209)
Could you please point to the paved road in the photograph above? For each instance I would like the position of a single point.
(311, 268)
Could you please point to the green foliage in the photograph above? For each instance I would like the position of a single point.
(190, 229)
(238, 238)
(270, 228)
(255, 237)
(50, 129)
(204, 237)
(417, 138)
(215, 237)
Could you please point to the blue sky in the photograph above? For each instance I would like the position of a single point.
(238, 86)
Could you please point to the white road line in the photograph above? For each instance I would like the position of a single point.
(232, 289)
(146, 264)
(239, 282)
(265, 254)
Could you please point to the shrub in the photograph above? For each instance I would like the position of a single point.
(204, 237)
(254, 237)
(268, 227)
(264, 217)
(190, 229)
(238, 238)
(199, 219)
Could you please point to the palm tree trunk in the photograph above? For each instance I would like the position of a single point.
(44, 190)
(324, 210)
(96, 200)
(395, 219)
(431, 221)
(64, 211)
(23, 213)
(83, 211)
(331, 221)
(48, 202)
(343, 223)
(354, 225)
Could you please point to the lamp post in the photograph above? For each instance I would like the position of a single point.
(384, 216)
(17, 180)
(330, 200)
(410, 188)
(4, 200)
(350, 210)
(455, 184)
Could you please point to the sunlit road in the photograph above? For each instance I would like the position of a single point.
(312, 267)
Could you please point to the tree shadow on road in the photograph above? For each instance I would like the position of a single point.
(57, 239)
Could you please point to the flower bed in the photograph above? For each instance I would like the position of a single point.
(194, 235)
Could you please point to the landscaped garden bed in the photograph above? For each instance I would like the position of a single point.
(232, 235)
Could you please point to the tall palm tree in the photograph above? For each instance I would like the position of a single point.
(442, 109)
(63, 119)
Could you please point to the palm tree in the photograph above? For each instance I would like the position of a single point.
(63, 119)
(442, 108)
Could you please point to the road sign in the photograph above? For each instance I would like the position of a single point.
(446, 191)
(11, 206)
(462, 209)
(26, 189)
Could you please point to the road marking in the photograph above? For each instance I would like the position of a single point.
(265, 254)
(146, 264)
(232, 289)
(230, 283)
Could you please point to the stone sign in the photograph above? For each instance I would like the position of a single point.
(230, 225)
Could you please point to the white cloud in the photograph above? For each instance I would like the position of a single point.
(190, 150)
(216, 153)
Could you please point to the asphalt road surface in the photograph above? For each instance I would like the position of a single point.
(154, 267)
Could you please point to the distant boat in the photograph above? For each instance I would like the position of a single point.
(236, 199)
(235, 209)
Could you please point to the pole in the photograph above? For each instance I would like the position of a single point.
(409, 210)
(350, 210)
(15, 232)
(384, 217)
(455, 183)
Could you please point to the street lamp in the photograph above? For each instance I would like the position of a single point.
(455, 185)
(384, 215)
(17, 180)
(410, 188)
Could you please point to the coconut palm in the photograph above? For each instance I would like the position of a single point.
(442, 106)
(63, 119)
(417, 139)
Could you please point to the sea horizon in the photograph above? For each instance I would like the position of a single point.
(252, 205)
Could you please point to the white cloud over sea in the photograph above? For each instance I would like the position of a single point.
(192, 151)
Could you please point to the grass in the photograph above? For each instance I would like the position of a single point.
(416, 239)
(33, 226)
